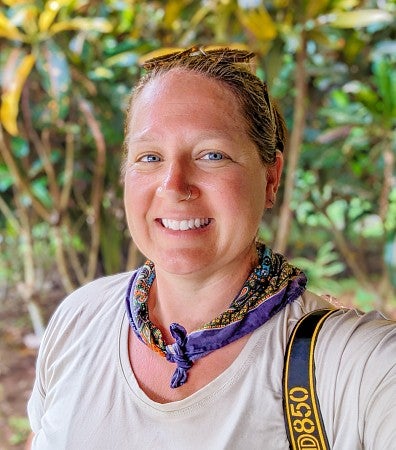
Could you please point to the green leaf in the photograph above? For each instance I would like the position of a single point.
(6, 179)
(385, 78)
(40, 190)
(55, 76)
(127, 16)
(340, 98)
(364, 94)
(125, 59)
(101, 73)
(20, 147)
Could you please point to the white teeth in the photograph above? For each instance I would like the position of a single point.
(183, 225)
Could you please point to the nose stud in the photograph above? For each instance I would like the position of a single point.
(189, 195)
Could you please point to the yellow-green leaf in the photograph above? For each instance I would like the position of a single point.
(343, 5)
(316, 7)
(27, 17)
(80, 23)
(173, 9)
(199, 15)
(8, 29)
(279, 4)
(51, 9)
(11, 94)
(14, 2)
(47, 17)
(357, 19)
(259, 23)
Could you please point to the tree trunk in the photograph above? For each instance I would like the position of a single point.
(293, 153)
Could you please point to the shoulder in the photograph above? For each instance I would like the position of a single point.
(356, 376)
(349, 339)
(348, 330)
(357, 332)
(96, 294)
(355, 371)
(296, 310)
(361, 346)
(96, 304)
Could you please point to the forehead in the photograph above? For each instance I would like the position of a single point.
(186, 92)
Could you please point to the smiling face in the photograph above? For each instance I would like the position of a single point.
(187, 137)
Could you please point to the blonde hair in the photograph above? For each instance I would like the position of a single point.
(234, 69)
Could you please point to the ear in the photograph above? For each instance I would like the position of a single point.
(274, 173)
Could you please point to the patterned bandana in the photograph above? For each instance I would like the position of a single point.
(272, 284)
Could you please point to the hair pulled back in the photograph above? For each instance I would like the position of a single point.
(233, 68)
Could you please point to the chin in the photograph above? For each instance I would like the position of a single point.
(181, 262)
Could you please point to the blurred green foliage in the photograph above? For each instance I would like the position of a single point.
(66, 70)
(20, 428)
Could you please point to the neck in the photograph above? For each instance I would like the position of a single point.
(195, 299)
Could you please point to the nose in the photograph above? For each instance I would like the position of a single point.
(175, 184)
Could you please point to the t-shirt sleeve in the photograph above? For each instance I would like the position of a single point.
(356, 380)
(36, 404)
(35, 407)
(80, 307)
(378, 393)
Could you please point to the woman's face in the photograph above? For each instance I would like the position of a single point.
(187, 134)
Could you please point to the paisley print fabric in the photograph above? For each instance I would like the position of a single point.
(271, 285)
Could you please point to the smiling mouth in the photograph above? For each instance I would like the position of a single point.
(184, 225)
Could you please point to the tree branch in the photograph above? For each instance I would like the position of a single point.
(68, 175)
(42, 147)
(97, 187)
(20, 182)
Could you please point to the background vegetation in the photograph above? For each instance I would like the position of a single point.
(66, 70)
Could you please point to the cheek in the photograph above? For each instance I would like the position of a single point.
(128, 195)
(134, 199)
(245, 199)
(136, 185)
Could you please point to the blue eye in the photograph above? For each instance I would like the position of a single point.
(150, 158)
(214, 156)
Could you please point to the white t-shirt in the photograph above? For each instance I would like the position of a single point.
(86, 396)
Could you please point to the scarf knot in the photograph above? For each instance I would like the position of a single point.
(177, 353)
(272, 284)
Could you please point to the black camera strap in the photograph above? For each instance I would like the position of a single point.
(304, 424)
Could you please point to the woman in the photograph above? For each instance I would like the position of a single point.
(195, 358)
